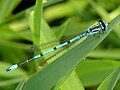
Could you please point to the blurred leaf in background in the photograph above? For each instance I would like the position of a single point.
(27, 23)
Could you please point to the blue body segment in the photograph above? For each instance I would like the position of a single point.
(13, 67)
(84, 34)
(59, 46)
(64, 44)
(48, 51)
(74, 39)
(102, 26)
(37, 56)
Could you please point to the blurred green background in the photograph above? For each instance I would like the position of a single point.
(16, 37)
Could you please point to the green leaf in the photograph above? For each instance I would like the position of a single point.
(107, 53)
(110, 81)
(89, 70)
(47, 34)
(4, 10)
(4, 83)
(51, 2)
(37, 22)
(101, 11)
(72, 83)
(53, 73)
(61, 30)
(21, 84)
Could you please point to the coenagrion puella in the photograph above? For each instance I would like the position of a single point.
(102, 26)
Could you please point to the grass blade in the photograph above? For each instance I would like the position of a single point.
(89, 70)
(21, 84)
(4, 10)
(37, 22)
(110, 81)
(47, 78)
(72, 83)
